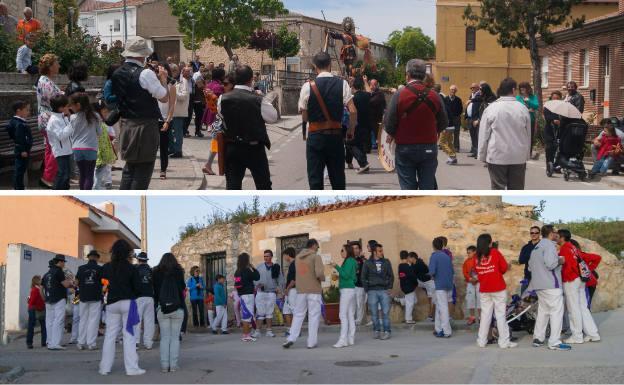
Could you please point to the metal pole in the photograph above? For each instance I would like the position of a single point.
(144, 223)
(125, 19)
(193, 38)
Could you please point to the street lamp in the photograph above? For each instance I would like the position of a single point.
(110, 28)
(125, 20)
(192, 16)
(70, 25)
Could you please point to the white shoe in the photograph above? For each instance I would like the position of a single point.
(269, 333)
(571, 341)
(351, 343)
(410, 322)
(370, 323)
(103, 373)
(341, 344)
(481, 346)
(591, 339)
(511, 345)
(136, 372)
(255, 334)
(80, 347)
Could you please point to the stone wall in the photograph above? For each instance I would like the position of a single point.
(43, 10)
(14, 86)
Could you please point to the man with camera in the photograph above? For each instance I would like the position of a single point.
(138, 89)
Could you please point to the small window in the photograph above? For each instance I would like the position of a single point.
(471, 39)
(117, 25)
(585, 67)
(545, 72)
(567, 67)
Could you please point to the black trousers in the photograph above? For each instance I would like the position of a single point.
(550, 146)
(136, 175)
(357, 149)
(474, 136)
(164, 149)
(326, 151)
(62, 175)
(21, 165)
(240, 157)
(198, 110)
(197, 306)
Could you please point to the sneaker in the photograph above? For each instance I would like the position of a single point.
(255, 334)
(56, 348)
(451, 161)
(537, 343)
(481, 346)
(248, 339)
(136, 372)
(376, 335)
(286, 334)
(563, 347)
(29, 346)
(103, 373)
(442, 335)
(511, 345)
(96, 348)
(312, 347)
(72, 342)
(287, 344)
(430, 319)
(340, 344)
(591, 339)
(164, 370)
(215, 332)
(174, 369)
(570, 341)
(471, 320)
(148, 347)
(385, 336)
(350, 166)
(364, 169)
(369, 323)
(410, 322)
(225, 332)
(80, 347)
(269, 333)
(351, 343)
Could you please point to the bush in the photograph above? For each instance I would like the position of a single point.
(8, 52)
(607, 232)
(331, 295)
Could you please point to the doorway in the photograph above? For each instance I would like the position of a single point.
(215, 264)
(298, 242)
(605, 79)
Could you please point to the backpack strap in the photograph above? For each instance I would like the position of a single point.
(329, 123)
(421, 97)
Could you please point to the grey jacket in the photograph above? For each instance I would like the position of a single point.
(544, 266)
(270, 284)
(374, 280)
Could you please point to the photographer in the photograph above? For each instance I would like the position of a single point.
(138, 89)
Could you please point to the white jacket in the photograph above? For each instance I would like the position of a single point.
(59, 131)
(505, 133)
(183, 95)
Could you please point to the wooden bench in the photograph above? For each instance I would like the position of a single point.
(7, 146)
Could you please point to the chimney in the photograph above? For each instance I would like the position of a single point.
(109, 207)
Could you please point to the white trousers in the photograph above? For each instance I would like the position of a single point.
(248, 301)
(360, 304)
(75, 331)
(116, 317)
(496, 304)
(90, 313)
(442, 322)
(55, 322)
(410, 301)
(310, 304)
(145, 306)
(549, 310)
(221, 319)
(581, 320)
(290, 301)
(347, 316)
(265, 305)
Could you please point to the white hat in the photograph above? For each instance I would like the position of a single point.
(137, 47)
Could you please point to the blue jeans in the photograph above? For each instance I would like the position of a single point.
(602, 166)
(21, 165)
(416, 165)
(170, 325)
(176, 135)
(376, 298)
(32, 322)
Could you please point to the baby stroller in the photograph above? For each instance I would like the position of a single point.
(521, 315)
(570, 149)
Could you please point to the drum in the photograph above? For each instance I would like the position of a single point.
(386, 151)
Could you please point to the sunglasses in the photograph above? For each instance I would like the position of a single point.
(534, 233)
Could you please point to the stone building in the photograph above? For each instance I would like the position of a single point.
(399, 223)
(43, 10)
(464, 55)
(592, 57)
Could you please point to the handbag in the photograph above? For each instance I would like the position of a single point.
(113, 117)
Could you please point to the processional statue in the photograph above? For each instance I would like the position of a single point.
(351, 43)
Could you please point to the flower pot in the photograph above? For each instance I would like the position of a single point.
(332, 313)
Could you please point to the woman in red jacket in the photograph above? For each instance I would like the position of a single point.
(490, 267)
(36, 312)
(592, 261)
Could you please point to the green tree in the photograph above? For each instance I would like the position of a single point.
(287, 44)
(228, 23)
(521, 23)
(411, 43)
(8, 51)
(61, 15)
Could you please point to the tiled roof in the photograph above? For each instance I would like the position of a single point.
(91, 207)
(327, 208)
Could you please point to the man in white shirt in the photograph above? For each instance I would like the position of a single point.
(245, 115)
(23, 61)
(322, 103)
(138, 89)
(505, 139)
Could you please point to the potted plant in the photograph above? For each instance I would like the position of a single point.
(331, 300)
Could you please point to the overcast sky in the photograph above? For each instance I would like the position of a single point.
(167, 214)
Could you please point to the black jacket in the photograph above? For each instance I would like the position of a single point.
(244, 281)
(159, 277)
(454, 108)
(421, 270)
(123, 281)
(407, 278)
(377, 280)
(146, 281)
(20, 132)
(89, 278)
(242, 115)
(523, 259)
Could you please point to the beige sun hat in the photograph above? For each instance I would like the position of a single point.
(137, 47)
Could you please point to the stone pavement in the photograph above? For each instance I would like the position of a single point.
(411, 356)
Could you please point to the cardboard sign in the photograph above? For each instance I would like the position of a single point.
(386, 151)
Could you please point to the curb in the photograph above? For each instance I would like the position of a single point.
(12, 375)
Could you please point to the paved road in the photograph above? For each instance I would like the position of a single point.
(288, 169)
(409, 357)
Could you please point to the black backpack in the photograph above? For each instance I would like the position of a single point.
(170, 298)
